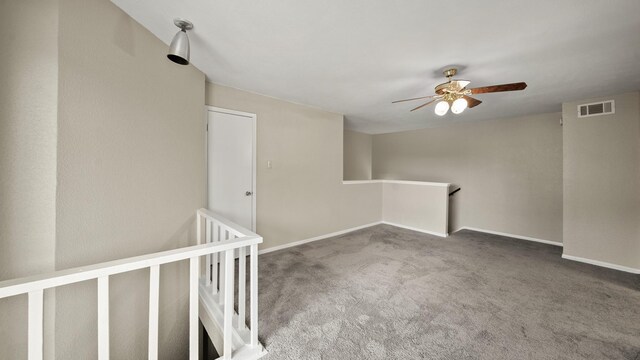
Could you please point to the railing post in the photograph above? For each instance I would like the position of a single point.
(35, 325)
(223, 269)
(254, 294)
(208, 256)
(242, 286)
(214, 265)
(103, 318)
(198, 228)
(194, 264)
(228, 305)
(154, 297)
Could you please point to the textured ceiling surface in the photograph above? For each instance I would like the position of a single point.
(355, 57)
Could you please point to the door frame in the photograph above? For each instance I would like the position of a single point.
(253, 117)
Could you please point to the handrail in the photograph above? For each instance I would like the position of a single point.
(69, 276)
(455, 191)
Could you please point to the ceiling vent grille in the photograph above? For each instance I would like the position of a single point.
(597, 109)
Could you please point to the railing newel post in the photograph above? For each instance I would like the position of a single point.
(198, 228)
(254, 294)
(228, 305)
(215, 257)
(223, 272)
(208, 230)
(242, 286)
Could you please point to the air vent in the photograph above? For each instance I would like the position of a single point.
(597, 109)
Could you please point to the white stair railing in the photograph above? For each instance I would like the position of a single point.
(34, 286)
(217, 287)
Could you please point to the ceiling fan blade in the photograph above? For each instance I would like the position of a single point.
(460, 84)
(423, 105)
(471, 102)
(418, 98)
(499, 88)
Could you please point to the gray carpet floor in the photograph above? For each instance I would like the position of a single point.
(390, 293)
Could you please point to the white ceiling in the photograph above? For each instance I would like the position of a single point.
(355, 57)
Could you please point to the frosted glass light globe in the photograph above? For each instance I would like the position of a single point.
(458, 106)
(441, 108)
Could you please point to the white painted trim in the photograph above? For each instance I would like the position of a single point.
(357, 182)
(341, 232)
(254, 117)
(230, 112)
(416, 229)
(528, 238)
(301, 242)
(602, 264)
(406, 182)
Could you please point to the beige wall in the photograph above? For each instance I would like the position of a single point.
(302, 195)
(602, 182)
(131, 174)
(357, 155)
(510, 171)
(420, 206)
(28, 108)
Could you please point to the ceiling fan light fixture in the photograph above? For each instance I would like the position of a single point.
(442, 107)
(459, 105)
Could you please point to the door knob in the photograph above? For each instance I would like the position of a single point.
(248, 193)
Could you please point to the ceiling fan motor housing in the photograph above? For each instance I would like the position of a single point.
(450, 72)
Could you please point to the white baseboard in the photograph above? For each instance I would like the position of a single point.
(602, 263)
(300, 242)
(341, 232)
(528, 238)
(416, 229)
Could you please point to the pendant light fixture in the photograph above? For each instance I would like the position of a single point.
(179, 48)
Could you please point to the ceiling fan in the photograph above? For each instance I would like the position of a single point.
(455, 95)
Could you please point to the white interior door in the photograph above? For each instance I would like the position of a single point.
(231, 165)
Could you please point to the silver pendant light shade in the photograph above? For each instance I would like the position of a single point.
(179, 48)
